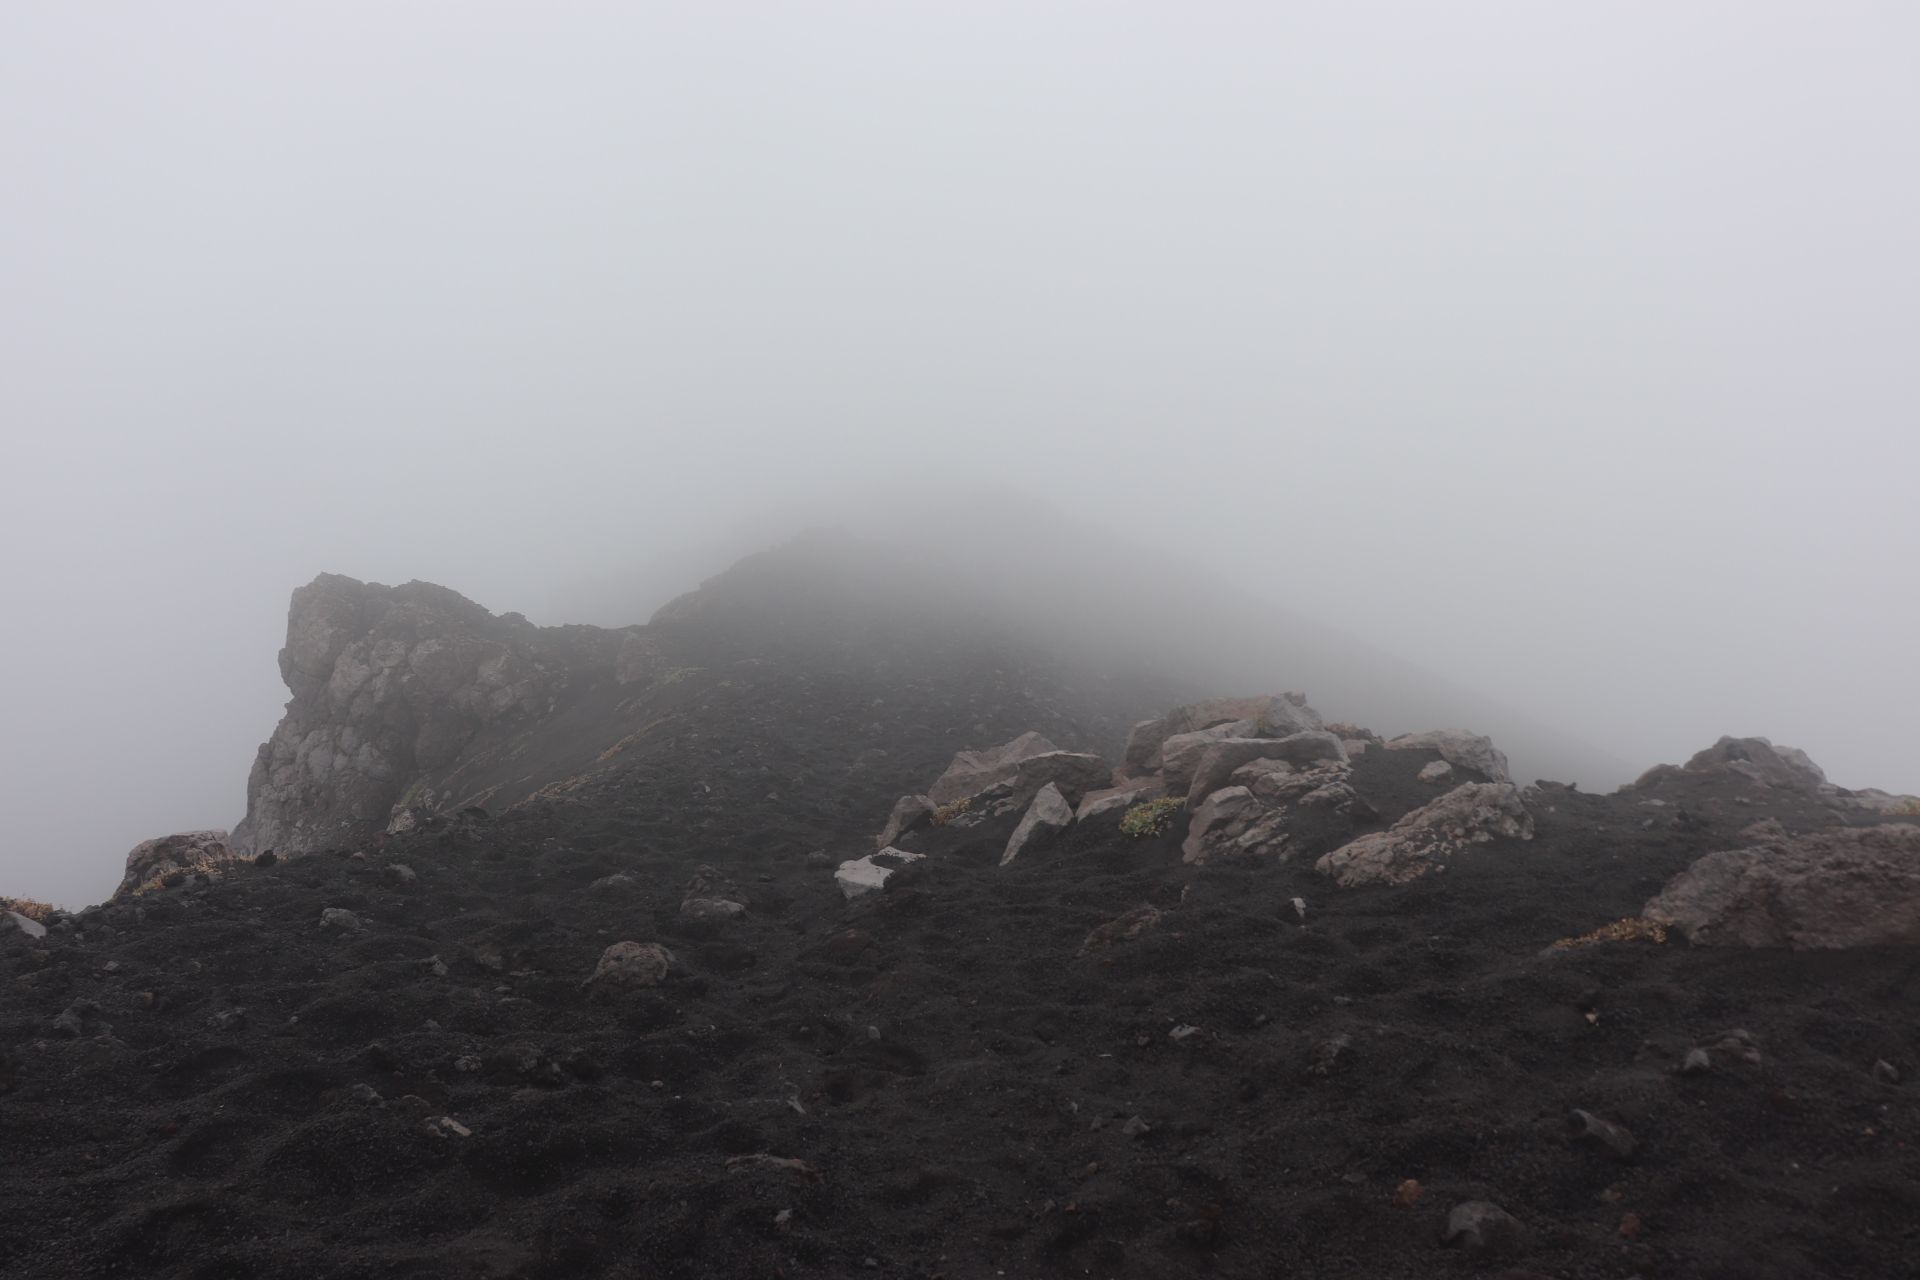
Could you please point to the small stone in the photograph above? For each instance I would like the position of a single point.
(782, 1218)
(1300, 909)
(1696, 1062)
(1480, 1226)
(1330, 1053)
(873, 1033)
(1885, 1072)
(435, 966)
(1183, 1033)
(1408, 1194)
(466, 1063)
(618, 882)
(1136, 1128)
(364, 1093)
(446, 1127)
(631, 965)
(1588, 1127)
(228, 1020)
(400, 873)
(339, 918)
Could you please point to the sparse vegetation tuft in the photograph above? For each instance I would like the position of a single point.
(31, 908)
(948, 812)
(1150, 817)
(1632, 929)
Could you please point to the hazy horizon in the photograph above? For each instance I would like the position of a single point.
(1566, 354)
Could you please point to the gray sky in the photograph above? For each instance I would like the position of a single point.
(1567, 350)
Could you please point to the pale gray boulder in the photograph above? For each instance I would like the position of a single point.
(1097, 804)
(1026, 764)
(908, 812)
(1048, 815)
(1221, 812)
(1837, 887)
(858, 877)
(1459, 748)
(1265, 716)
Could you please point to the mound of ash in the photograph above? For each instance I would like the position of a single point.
(806, 940)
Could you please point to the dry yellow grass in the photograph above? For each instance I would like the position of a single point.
(31, 908)
(1632, 929)
(948, 812)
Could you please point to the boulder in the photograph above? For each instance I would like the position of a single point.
(1459, 748)
(626, 966)
(1264, 716)
(1837, 887)
(861, 876)
(1180, 755)
(1422, 841)
(908, 812)
(1214, 816)
(1218, 761)
(1048, 815)
(1026, 764)
(13, 921)
(151, 861)
(1097, 804)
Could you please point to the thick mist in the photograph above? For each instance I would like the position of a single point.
(1564, 355)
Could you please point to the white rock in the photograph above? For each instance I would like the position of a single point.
(864, 875)
(25, 924)
(1436, 771)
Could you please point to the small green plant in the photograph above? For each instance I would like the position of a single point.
(1906, 807)
(1150, 817)
(948, 812)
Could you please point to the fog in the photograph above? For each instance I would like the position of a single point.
(1566, 353)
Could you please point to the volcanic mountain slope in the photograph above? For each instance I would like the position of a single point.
(386, 1059)
(411, 700)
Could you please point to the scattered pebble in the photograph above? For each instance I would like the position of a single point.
(1588, 1127)
(1136, 1128)
(1696, 1062)
(1886, 1072)
(339, 918)
(446, 1127)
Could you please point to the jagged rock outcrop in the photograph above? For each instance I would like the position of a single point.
(1759, 762)
(1837, 887)
(390, 686)
(1422, 841)
(1301, 750)
(186, 852)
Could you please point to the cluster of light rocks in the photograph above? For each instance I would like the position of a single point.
(1241, 767)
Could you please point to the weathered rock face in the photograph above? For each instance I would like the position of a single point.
(390, 685)
(1839, 887)
(1421, 842)
(151, 861)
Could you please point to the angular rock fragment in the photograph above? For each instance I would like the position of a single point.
(1218, 761)
(1608, 1136)
(1046, 816)
(1480, 1226)
(908, 812)
(864, 875)
(1128, 926)
(1217, 811)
